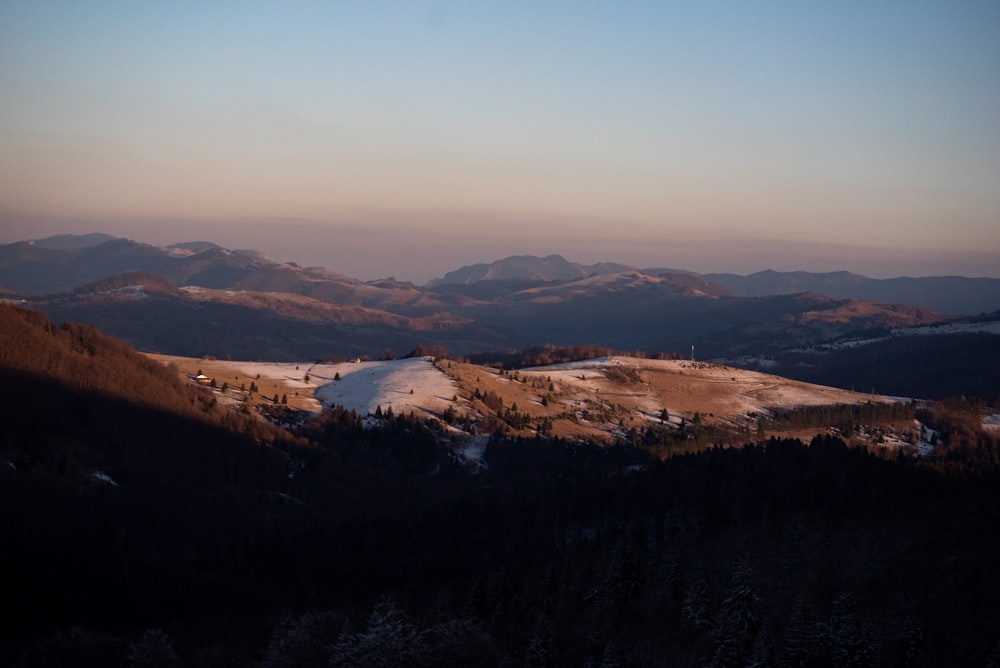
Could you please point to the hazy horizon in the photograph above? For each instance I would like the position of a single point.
(397, 139)
(367, 253)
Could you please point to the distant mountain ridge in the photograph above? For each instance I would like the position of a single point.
(64, 262)
(73, 241)
(64, 265)
(945, 294)
(527, 267)
(46, 267)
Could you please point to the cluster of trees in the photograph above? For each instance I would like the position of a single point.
(962, 437)
(552, 354)
(435, 351)
(844, 417)
(694, 435)
(490, 399)
(506, 418)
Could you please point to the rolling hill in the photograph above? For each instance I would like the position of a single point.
(151, 314)
(599, 400)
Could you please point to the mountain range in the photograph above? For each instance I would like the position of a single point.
(65, 262)
(199, 299)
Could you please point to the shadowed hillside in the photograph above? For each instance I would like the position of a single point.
(143, 526)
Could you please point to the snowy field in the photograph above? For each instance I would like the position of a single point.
(472, 452)
(409, 385)
(922, 446)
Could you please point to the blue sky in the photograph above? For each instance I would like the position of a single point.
(709, 136)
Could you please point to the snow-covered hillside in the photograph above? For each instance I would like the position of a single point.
(596, 399)
(408, 385)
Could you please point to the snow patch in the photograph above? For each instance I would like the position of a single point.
(921, 441)
(132, 292)
(103, 477)
(990, 327)
(412, 385)
(292, 499)
(472, 452)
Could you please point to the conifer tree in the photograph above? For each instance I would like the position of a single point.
(154, 648)
(389, 640)
(540, 650)
(696, 608)
(736, 630)
(802, 642)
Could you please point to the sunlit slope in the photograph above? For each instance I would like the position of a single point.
(589, 399)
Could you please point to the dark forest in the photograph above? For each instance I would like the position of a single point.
(145, 525)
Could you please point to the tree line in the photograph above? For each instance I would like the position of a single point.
(551, 354)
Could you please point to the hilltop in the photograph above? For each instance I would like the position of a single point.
(527, 268)
(604, 400)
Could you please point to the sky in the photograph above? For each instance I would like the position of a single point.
(410, 138)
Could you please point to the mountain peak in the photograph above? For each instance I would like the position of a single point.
(73, 241)
(526, 268)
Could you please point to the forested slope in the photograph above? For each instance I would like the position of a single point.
(381, 549)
